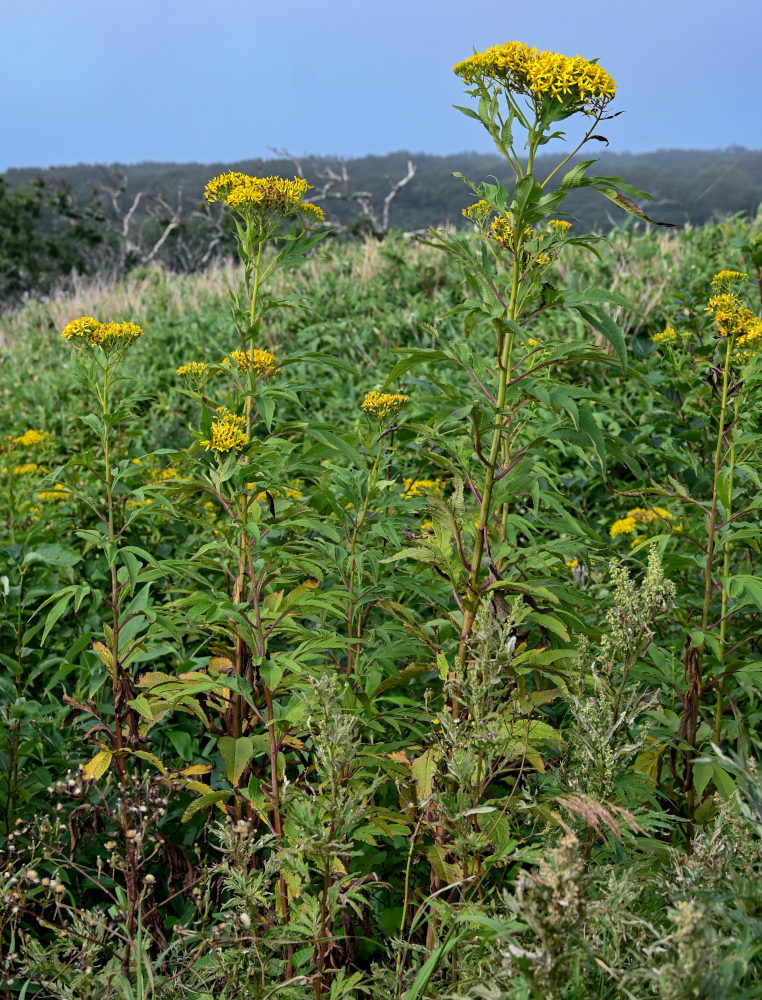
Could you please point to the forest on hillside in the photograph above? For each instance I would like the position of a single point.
(104, 220)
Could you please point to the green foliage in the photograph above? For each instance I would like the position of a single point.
(361, 706)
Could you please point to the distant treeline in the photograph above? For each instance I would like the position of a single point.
(90, 219)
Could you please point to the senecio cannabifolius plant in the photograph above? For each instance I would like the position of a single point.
(521, 95)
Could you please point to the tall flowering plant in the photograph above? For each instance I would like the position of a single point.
(710, 359)
(519, 402)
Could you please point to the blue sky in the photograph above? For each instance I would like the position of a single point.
(131, 80)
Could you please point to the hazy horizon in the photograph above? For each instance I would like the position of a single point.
(338, 157)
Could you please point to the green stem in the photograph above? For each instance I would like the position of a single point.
(471, 598)
(354, 651)
(725, 572)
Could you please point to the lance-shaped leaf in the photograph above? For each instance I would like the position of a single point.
(236, 754)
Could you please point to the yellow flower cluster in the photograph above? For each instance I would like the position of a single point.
(726, 279)
(501, 232)
(29, 439)
(383, 405)
(667, 335)
(525, 70)
(27, 469)
(637, 516)
(195, 374)
(288, 493)
(479, 212)
(559, 226)
(59, 492)
(88, 332)
(262, 362)
(227, 432)
(250, 196)
(734, 320)
(419, 487)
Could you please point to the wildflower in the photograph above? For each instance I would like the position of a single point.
(417, 487)
(624, 526)
(195, 374)
(560, 227)
(383, 405)
(262, 362)
(82, 331)
(110, 337)
(30, 438)
(264, 197)
(667, 335)
(220, 187)
(59, 492)
(313, 213)
(543, 260)
(28, 468)
(227, 433)
(479, 212)
(726, 280)
(576, 82)
(501, 231)
(734, 320)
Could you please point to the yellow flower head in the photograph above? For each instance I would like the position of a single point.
(262, 362)
(419, 487)
(195, 374)
(502, 233)
(734, 320)
(83, 331)
(624, 526)
(220, 187)
(31, 438)
(479, 212)
(313, 214)
(727, 280)
(110, 337)
(59, 492)
(668, 335)
(264, 197)
(383, 405)
(579, 83)
(559, 226)
(227, 433)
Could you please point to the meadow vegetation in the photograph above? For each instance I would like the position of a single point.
(381, 619)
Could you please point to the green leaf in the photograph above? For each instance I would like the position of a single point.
(55, 613)
(723, 782)
(625, 202)
(606, 326)
(54, 554)
(236, 754)
(587, 423)
(702, 774)
(203, 802)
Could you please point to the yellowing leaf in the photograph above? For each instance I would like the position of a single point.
(220, 665)
(98, 766)
(424, 768)
(104, 654)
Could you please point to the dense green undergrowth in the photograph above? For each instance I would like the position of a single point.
(448, 691)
